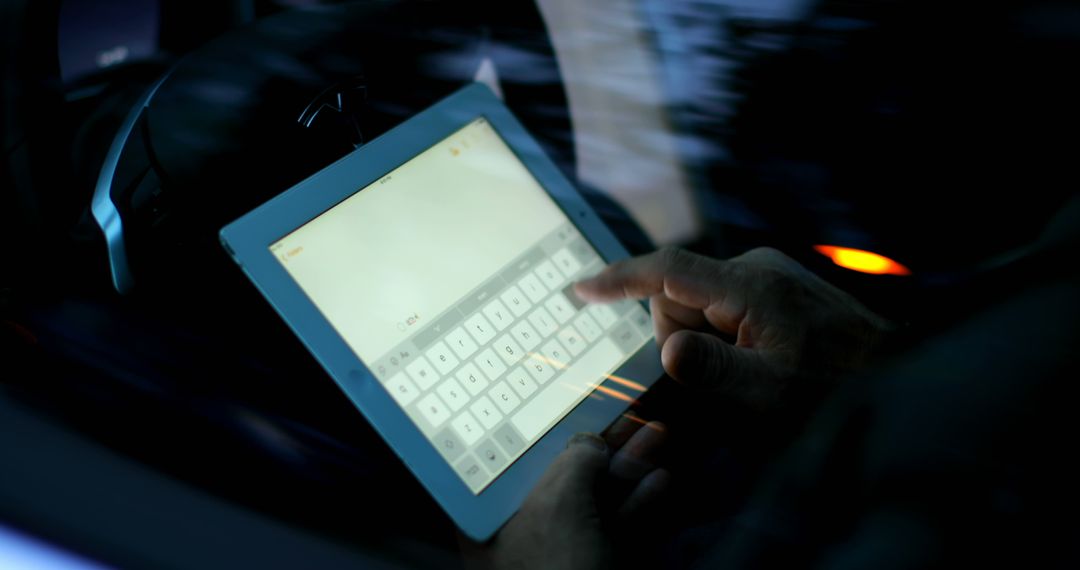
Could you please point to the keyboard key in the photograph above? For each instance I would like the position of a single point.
(461, 342)
(583, 252)
(509, 439)
(491, 365)
(624, 306)
(401, 389)
(504, 397)
(523, 265)
(453, 394)
(467, 428)
(444, 360)
(603, 315)
(572, 340)
(471, 472)
(626, 337)
(486, 412)
(449, 444)
(521, 383)
(533, 288)
(556, 354)
(560, 307)
(576, 302)
(575, 383)
(526, 336)
(515, 300)
(480, 297)
(498, 314)
(434, 331)
(540, 368)
(490, 455)
(543, 321)
(588, 327)
(642, 321)
(422, 373)
(566, 262)
(471, 377)
(480, 329)
(509, 350)
(433, 410)
(551, 277)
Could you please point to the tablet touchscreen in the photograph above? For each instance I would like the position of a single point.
(451, 278)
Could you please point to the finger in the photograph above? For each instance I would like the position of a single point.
(568, 487)
(647, 493)
(700, 359)
(687, 278)
(639, 455)
(670, 317)
(620, 431)
(585, 457)
(563, 503)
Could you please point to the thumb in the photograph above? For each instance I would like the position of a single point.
(577, 469)
(587, 455)
(706, 361)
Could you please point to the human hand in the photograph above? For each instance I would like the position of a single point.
(785, 323)
(563, 522)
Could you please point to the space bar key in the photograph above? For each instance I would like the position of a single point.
(569, 388)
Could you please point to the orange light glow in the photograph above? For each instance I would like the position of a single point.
(626, 382)
(863, 261)
(609, 391)
(614, 394)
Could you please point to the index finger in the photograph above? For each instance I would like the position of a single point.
(686, 278)
(622, 429)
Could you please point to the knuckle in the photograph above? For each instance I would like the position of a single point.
(672, 256)
(770, 260)
(767, 254)
(777, 280)
(681, 261)
(616, 266)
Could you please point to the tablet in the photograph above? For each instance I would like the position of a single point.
(430, 272)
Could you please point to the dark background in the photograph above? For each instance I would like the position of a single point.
(180, 424)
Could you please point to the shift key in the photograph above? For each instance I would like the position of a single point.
(570, 387)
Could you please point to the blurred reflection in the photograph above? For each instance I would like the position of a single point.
(938, 133)
(615, 394)
(18, 551)
(794, 122)
(622, 132)
(627, 383)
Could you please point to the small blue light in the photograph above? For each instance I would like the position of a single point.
(21, 552)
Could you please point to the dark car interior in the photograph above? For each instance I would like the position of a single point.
(155, 412)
